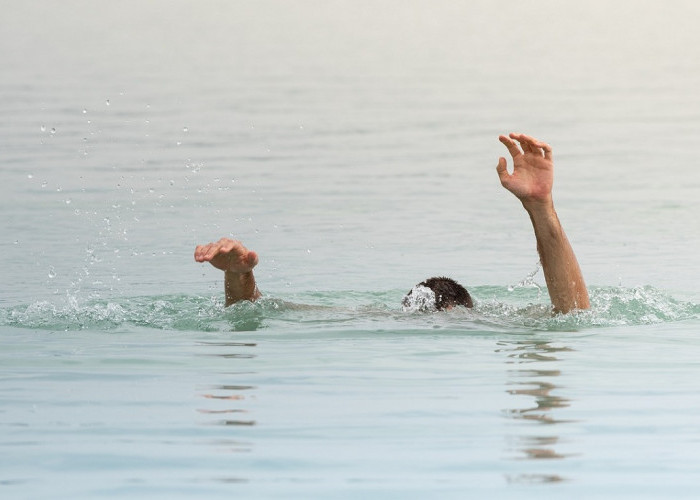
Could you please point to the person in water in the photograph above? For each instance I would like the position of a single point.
(531, 182)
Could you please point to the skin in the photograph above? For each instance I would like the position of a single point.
(237, 262)
(531, 182)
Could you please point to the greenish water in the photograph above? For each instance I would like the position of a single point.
(499, 309)
(353, 145)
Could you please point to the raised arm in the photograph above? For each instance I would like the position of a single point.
(531, 182)
(237, 262)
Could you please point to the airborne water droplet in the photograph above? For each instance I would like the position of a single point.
(107, 102)
(185, 129)
(53, 130)
(52, 272)
(43, 128)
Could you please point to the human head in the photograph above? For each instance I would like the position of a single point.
(438, 293)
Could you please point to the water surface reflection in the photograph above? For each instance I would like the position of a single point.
(232, 395)
(534, 371)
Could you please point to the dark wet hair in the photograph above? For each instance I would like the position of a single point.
(448, 293)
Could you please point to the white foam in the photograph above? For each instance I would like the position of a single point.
(419, 299)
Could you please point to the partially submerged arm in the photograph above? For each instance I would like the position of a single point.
(237, 262)
(531, 182)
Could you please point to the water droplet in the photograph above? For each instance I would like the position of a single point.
(43, 128)
(59, 189)
(107, 102)
(172, 182)
(84, 111)
(185, 129)
(30, 176)
(53, 130)
(178, 143)
(16, 242)
(151, 190)
(44, 184)
(52, 272)
(308, 250)
(68, 201)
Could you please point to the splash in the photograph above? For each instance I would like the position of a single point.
(610, 306)
(419, 299)
(496, 309)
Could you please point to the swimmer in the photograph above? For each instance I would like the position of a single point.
(531, 182)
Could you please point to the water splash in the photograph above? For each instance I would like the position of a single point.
(529, 280)
(496, 310)
(610, 306)
(419, 299)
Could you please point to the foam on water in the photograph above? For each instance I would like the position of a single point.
(498, 309)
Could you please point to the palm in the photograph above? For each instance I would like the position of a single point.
(227, 255)
(532, 177)
(533, 169)
(232, 261)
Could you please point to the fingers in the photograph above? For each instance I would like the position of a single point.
(204, 253)
(512, 146)
(227, 255)
(547, 151)
(201, 251)
(532, 145)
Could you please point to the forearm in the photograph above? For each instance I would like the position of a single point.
(240, 286)
(565, 283)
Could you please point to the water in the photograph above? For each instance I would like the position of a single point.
(354, 147)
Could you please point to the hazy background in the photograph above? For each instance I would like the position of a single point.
(352, 143)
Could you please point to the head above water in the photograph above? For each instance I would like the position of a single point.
(439, 293)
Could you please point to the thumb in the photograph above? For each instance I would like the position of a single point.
(502, 170)
(252, 259)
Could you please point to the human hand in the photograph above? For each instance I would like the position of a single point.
(533, 168)
(227, 255)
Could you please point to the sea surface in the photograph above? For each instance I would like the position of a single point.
(353, 145)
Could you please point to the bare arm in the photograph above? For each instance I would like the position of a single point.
(531, 182)
(237, 262)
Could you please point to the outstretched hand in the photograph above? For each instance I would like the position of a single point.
(533, 168)
(227, 255)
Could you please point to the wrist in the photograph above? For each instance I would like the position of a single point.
(242, 276)
(539, 207)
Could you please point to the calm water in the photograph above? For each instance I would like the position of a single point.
(353, 145)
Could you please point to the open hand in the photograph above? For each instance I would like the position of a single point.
(533, 168)
(227, 255)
